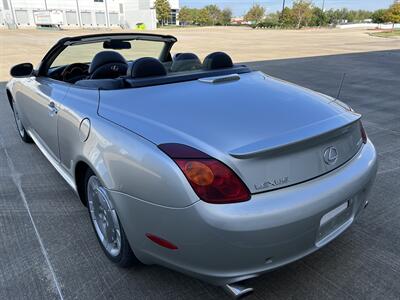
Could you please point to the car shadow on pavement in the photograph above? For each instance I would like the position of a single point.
(363, 263)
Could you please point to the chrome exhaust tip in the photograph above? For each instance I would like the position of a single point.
(237, 291)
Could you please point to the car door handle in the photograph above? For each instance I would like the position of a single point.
(52, 109)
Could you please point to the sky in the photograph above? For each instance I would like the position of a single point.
(239, 7)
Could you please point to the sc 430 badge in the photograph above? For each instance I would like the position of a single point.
(272, 183)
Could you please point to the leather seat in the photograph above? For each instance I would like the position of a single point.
(146, 67)
(185, 62)
(107, 65)
(217, 60)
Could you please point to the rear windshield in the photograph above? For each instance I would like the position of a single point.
(84, 53)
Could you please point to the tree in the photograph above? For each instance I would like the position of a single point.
(331, 16)
(336, 16)
(286, 18)
(350, 16)
(379, 16)
(214, 13)
(392, 15)
(319, 18)
(360, 15)
(344, 14)
(255, 14)
(226, 16)
(163, 10)
(209, 15)
(271, 21)
(302, 12)
(185, 15)
(202, 17)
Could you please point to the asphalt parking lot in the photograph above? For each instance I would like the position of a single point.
(48, 249)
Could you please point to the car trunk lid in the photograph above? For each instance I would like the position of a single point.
(270, 132)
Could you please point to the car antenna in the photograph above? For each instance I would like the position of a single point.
(341, 86)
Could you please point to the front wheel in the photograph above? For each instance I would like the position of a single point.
(107, 227)
(20, 127)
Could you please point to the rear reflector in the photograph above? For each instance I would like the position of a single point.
(161, 242)
(213, 181)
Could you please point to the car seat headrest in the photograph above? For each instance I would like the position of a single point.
(217, 60)
(146, 67)
(185, 62)
(107, 64)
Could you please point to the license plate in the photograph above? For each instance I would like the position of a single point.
(333, 213)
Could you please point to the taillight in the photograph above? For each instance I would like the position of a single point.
(363, 133)
(212, 180)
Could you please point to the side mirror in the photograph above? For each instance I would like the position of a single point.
(22, 70)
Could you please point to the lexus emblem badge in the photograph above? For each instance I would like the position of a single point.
(330, 155)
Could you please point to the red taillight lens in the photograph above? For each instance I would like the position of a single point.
(212, 180)
(363, 133)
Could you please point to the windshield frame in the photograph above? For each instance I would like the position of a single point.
(62, 44)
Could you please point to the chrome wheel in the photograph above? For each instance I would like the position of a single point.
(20, 127)
(104, 217)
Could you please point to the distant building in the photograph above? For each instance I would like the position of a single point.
(142, 11)
(239, 21)
(85, 13)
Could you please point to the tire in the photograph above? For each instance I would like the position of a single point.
(104, 220)
(20, 127)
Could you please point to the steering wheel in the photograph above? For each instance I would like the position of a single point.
(74, 72)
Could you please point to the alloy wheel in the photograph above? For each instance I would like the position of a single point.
(104, 217)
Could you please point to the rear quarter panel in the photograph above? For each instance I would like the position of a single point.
(124, 161)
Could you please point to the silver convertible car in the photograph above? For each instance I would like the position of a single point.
(205, 167)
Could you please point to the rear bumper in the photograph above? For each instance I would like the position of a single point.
(228, 243)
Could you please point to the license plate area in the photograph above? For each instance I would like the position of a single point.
(333, 221)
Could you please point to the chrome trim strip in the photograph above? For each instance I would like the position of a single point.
(60, 169)
(237, 291)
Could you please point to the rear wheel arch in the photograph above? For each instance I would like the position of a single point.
(81, 169)
(126, 258)
(10, 98)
